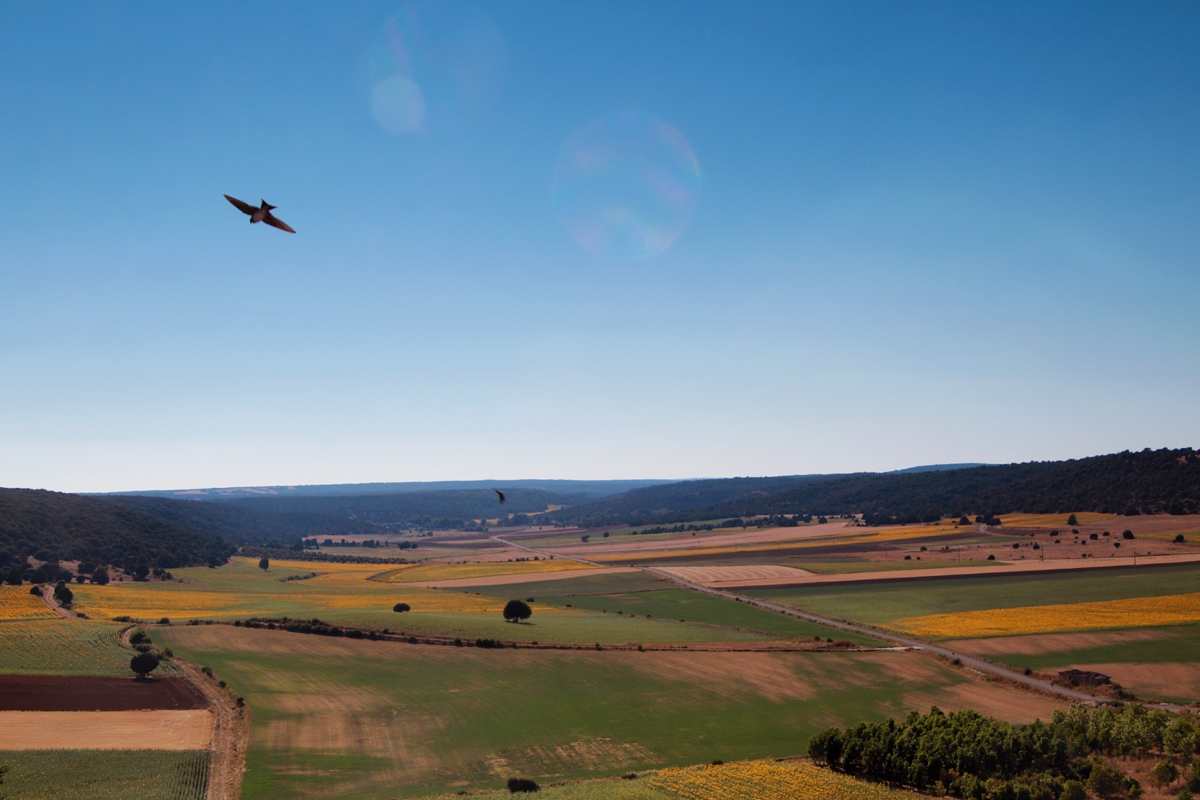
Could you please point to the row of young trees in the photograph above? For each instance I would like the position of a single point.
(968, 755)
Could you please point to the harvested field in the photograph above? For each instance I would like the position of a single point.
(483, 569)
(522, 578)
(722, 576)
(52, 693)
(105, 730)
(1050, 642)
(1178, 682)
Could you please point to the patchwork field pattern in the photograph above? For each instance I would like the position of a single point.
(105, 730)
(884, 604)
(105, 774)
(483, 569)
(1129, 613)
(343, 594)
(344, 718)
(16, 603)
(61, 646)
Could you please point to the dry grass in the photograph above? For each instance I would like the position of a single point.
(105, 730)
(483, 569)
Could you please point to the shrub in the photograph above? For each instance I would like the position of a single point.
(991, 558)
(1072, 520)
(264, 563)
(1165, 772)
(35, 590)
(1105, 780)
(1179, 538)
(522, 785)
(402, 607)
(1127, 534)
(1073, 790)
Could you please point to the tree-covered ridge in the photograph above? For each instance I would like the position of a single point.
(241, 525)
(413, 508)
(1146, 482)
(54, 526)
(967, 755)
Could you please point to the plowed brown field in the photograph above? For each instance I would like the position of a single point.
(57, 693)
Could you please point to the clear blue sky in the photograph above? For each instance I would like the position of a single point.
(918, 233)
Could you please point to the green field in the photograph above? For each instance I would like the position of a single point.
(641, 594)
(1173, 644)
(346, 595)
(879, 604)
(356, 719)
(67, 647)
(104, 774)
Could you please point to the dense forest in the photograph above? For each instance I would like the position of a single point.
(52, 526)
(967, 755)
(1146, 482)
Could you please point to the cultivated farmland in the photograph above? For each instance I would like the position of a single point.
(60, 646)
(105, 774)
(344, 718)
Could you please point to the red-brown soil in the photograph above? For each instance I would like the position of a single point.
(56, 693)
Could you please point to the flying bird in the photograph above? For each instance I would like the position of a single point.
(260, 214)
(500, 493)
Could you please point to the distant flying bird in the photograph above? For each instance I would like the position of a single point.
(260, 214)
(497, 491)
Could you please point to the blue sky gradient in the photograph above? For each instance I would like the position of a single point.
(926, 232)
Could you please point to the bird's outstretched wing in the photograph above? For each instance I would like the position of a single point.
(245, 208)
(276, 222)
(500, 493)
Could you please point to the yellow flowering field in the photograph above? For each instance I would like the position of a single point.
(483, 569)
(16, 603)
(1134, 612)
(767, 780)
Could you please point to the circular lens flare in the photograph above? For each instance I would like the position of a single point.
(434, 65)
(626, 185)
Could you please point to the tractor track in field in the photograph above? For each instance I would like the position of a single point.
(987, 668)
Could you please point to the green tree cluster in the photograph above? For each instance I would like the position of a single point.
(968, 755)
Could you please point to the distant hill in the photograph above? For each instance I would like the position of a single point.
(433, 509)
(49, 525)
(241, 525)
(679, 500)
(565, 487)
(936, 468)
(1147, 482)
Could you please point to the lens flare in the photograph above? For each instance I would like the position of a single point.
(435, 65)
(398, 105)
(626, 185)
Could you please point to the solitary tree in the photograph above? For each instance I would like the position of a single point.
(264, 563)
(143, 664)
(517, 610)
(100, 576)
(1072, 520)
(401, 607)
